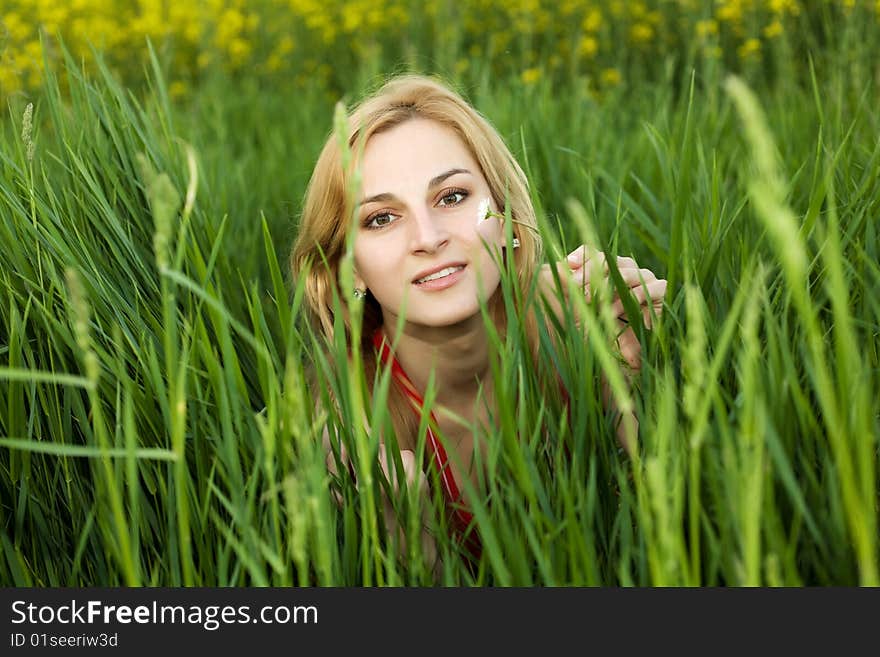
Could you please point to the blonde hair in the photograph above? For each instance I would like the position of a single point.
(327, 208)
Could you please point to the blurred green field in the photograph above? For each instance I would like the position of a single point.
(598, 42)
(154, 424)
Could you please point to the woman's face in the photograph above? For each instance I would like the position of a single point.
(421, 193)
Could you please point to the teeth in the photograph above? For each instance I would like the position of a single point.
(440, 274)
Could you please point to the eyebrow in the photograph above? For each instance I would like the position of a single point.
(435, 181)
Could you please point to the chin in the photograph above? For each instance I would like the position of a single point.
(447, 317)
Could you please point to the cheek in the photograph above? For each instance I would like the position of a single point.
(380, 273)
(487, 239)
(365, 249)
(488, 230)
(486, 269)
(364, 266)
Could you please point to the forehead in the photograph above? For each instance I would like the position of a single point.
(412, 153)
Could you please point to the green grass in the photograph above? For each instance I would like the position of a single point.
(156, 428)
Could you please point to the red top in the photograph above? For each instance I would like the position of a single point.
(459, 515)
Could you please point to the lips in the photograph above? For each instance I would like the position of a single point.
(423, 274)
(447, 277)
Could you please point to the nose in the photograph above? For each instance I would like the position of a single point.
(429, 233)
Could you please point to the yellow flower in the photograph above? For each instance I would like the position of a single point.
(641, 33)
(773, 30)
(15, 28)
(588, 47)
(749, 48)
(706, 28)
(531, 75)
(274, 63)
(177, 89)
(10, 81)
(352, 18)
(230, 23)
(731, 11)
(610, 77)
(780, 6)
(285, 45)
(238, 50)
(592, 21)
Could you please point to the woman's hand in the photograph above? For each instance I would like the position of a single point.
(648, 290)
(413, 474)
(414, 478)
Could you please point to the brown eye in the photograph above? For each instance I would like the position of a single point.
(454, 197)
(379, 220)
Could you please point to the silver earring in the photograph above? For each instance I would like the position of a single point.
(359, 293)
(515, 242)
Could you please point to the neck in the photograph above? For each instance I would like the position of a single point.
(458, 355)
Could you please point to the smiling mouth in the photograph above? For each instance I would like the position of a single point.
(443, 273)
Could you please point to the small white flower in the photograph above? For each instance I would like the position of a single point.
(483, 211)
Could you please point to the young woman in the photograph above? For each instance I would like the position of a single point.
(435, 178)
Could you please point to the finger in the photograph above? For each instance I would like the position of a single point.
(633, 276)
(577, 257)
(564, 270)
(637, 279)
(576, 276)
(590, 270)
(596, 261)
(626, 262)
(410, 470)
(630, 348)
(581, 256)
(600, 259)
(655, 290)
(414, 474)
(585, 257)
